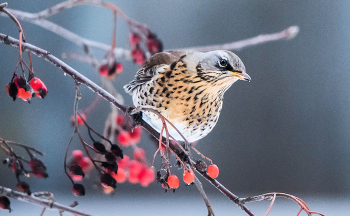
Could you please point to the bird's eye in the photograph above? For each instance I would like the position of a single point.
(223, 62)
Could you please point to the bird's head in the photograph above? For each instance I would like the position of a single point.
(222, 65)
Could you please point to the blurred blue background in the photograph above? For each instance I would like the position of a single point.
(287, 130)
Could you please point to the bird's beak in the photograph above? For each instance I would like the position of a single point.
(242, 76)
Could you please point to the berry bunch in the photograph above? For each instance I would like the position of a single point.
(153, 44)
(17, 164)
(110, 70)
(20, 88)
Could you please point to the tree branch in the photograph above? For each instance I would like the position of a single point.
(50, 204)
(107, 96)
(288, 33)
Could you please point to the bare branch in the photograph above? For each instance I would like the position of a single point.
(49, 204)
(287, 34)
(107, 96)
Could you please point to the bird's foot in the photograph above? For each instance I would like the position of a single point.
(136, 116)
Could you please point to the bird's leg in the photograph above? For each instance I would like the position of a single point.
(136, 115)
(159, 145)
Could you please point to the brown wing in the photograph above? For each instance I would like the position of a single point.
(149, 69)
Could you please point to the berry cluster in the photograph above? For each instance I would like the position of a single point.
(172, 181)
(153, 44)
(110, 70)
(115, 167)
(20, 88)
(17, 165)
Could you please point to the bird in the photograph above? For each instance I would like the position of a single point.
(187, 88)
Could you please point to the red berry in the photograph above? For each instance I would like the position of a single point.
(119, 68)
(77, 155)
(5, 203)
(138, 55)
(23, 94)
(108, 181)
(24, 187)
(77, 178)
(135, 134)
(147, 177)
(139, 154)
(86, 164)
(124, 163)
(39, 87)
(135, 169)
(121, 176)
(173, 181)
(103, 70)
(78, 190)
(124, 138)
(154, 45)
(188, 177)
(120, 120)
(79, 120)
(213, 171)
(135, 38)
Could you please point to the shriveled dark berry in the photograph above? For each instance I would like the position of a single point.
(100, 147)
(24, 187)
(38, 168)
(201, 166)
(5, 203)
(108, 180)
(117, 151)
(75, 169)
(79, 190)
(110, 167)
(110, 158)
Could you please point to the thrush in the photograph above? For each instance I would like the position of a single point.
(187, 88)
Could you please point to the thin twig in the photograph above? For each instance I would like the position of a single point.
(288, 33)
(204, 196)
(49, 204)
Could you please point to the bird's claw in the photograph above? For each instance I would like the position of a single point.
(136, 116)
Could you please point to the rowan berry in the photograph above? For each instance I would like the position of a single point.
(124, 163)
(5, 203)
(24, 187)
(75, 169)
(108, 181)
(188, 177)
(78, 190)
(213, 171)
(124, 138)
(138, 55)
(139, 154)
(147, 177)
(135, 39)
(135, 134)
(120, 176)
(117, 151)
(154, 45)
(99, 147)
(39, 87)
(173, 181)
(120, 120)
